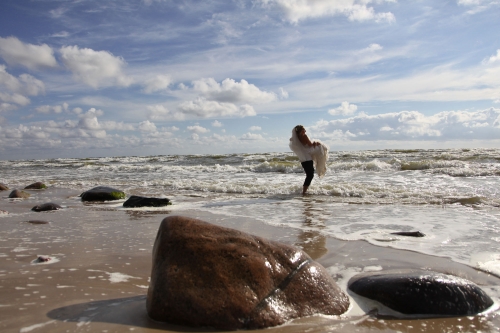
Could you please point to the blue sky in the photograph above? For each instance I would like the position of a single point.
(90, 78)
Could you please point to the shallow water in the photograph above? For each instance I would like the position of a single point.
(451, 196)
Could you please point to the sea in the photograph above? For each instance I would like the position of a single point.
(452, 196)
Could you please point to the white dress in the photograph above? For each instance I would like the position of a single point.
(318, 154)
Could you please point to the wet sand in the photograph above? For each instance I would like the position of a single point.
(97, 278)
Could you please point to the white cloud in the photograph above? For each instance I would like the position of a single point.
(158, 83)
(25, 84)
(46, 109)
(204, 108)
(354, 10)
(251, 136)
(147, 126)
(283, 94)
(14, 98)
(494, 58)
(116, 126)
(372, 48)
(231, 91)
(15, 52)
(345, 109)
(255, 128)
(413, 125)
(94, 68)
(159, 112)
(478, 6)
(198, 129)
(217, 123)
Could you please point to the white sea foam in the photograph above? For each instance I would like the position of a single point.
(36, 326)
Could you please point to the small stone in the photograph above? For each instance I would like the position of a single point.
(18, 194)
(36, 186)
(37, 222)
(45, 207)
(41, 259)
(3, 187)
(409, 233)
(137, 201)
(102, 193)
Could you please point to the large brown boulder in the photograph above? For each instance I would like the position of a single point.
(418, 292)
(205, 275)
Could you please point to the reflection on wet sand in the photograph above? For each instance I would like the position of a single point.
(310, 240)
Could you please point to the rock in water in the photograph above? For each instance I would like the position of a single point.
(205, 275)
(46, 206)
(36, 186)
(102, 193)
(409, 233)
(19, 194)
(416, 292)
(3, 187)
(136, 201)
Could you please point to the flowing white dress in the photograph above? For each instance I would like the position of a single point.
(318, 154)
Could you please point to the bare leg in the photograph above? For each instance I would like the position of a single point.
(304, 189)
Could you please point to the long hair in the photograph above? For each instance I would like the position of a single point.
(298, 129)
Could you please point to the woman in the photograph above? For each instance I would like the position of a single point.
(305, 151)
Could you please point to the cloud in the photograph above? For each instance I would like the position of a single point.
(147, 126)
(217, 123)
(14, 98)
(158, 83)
(47, 109)
(345, 109)
(477, 6)
(204, 108)
(159, 112)
(25, 84)
(198, 129)
(354, 10)
(232, 91)
(17, 53)
(14, 90)
(255, 128)
(94, 68)
(283, 94)
(413, 125)
(251, 136)
(494, 58)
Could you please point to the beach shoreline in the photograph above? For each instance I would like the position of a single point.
(100, 261)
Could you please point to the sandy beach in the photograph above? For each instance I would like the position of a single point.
(100, 259)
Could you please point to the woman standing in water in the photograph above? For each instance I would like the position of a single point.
(304, 149)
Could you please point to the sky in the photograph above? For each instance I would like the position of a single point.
(94, 78)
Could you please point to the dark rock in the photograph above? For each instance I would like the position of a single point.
(415, 292)
(36, 186)
(19, 194)
(102, 193)
(206, 275)
(41, 259)
(409, 233)
(37, 222)
(136, 201)
(46, 206)
(3, 187)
